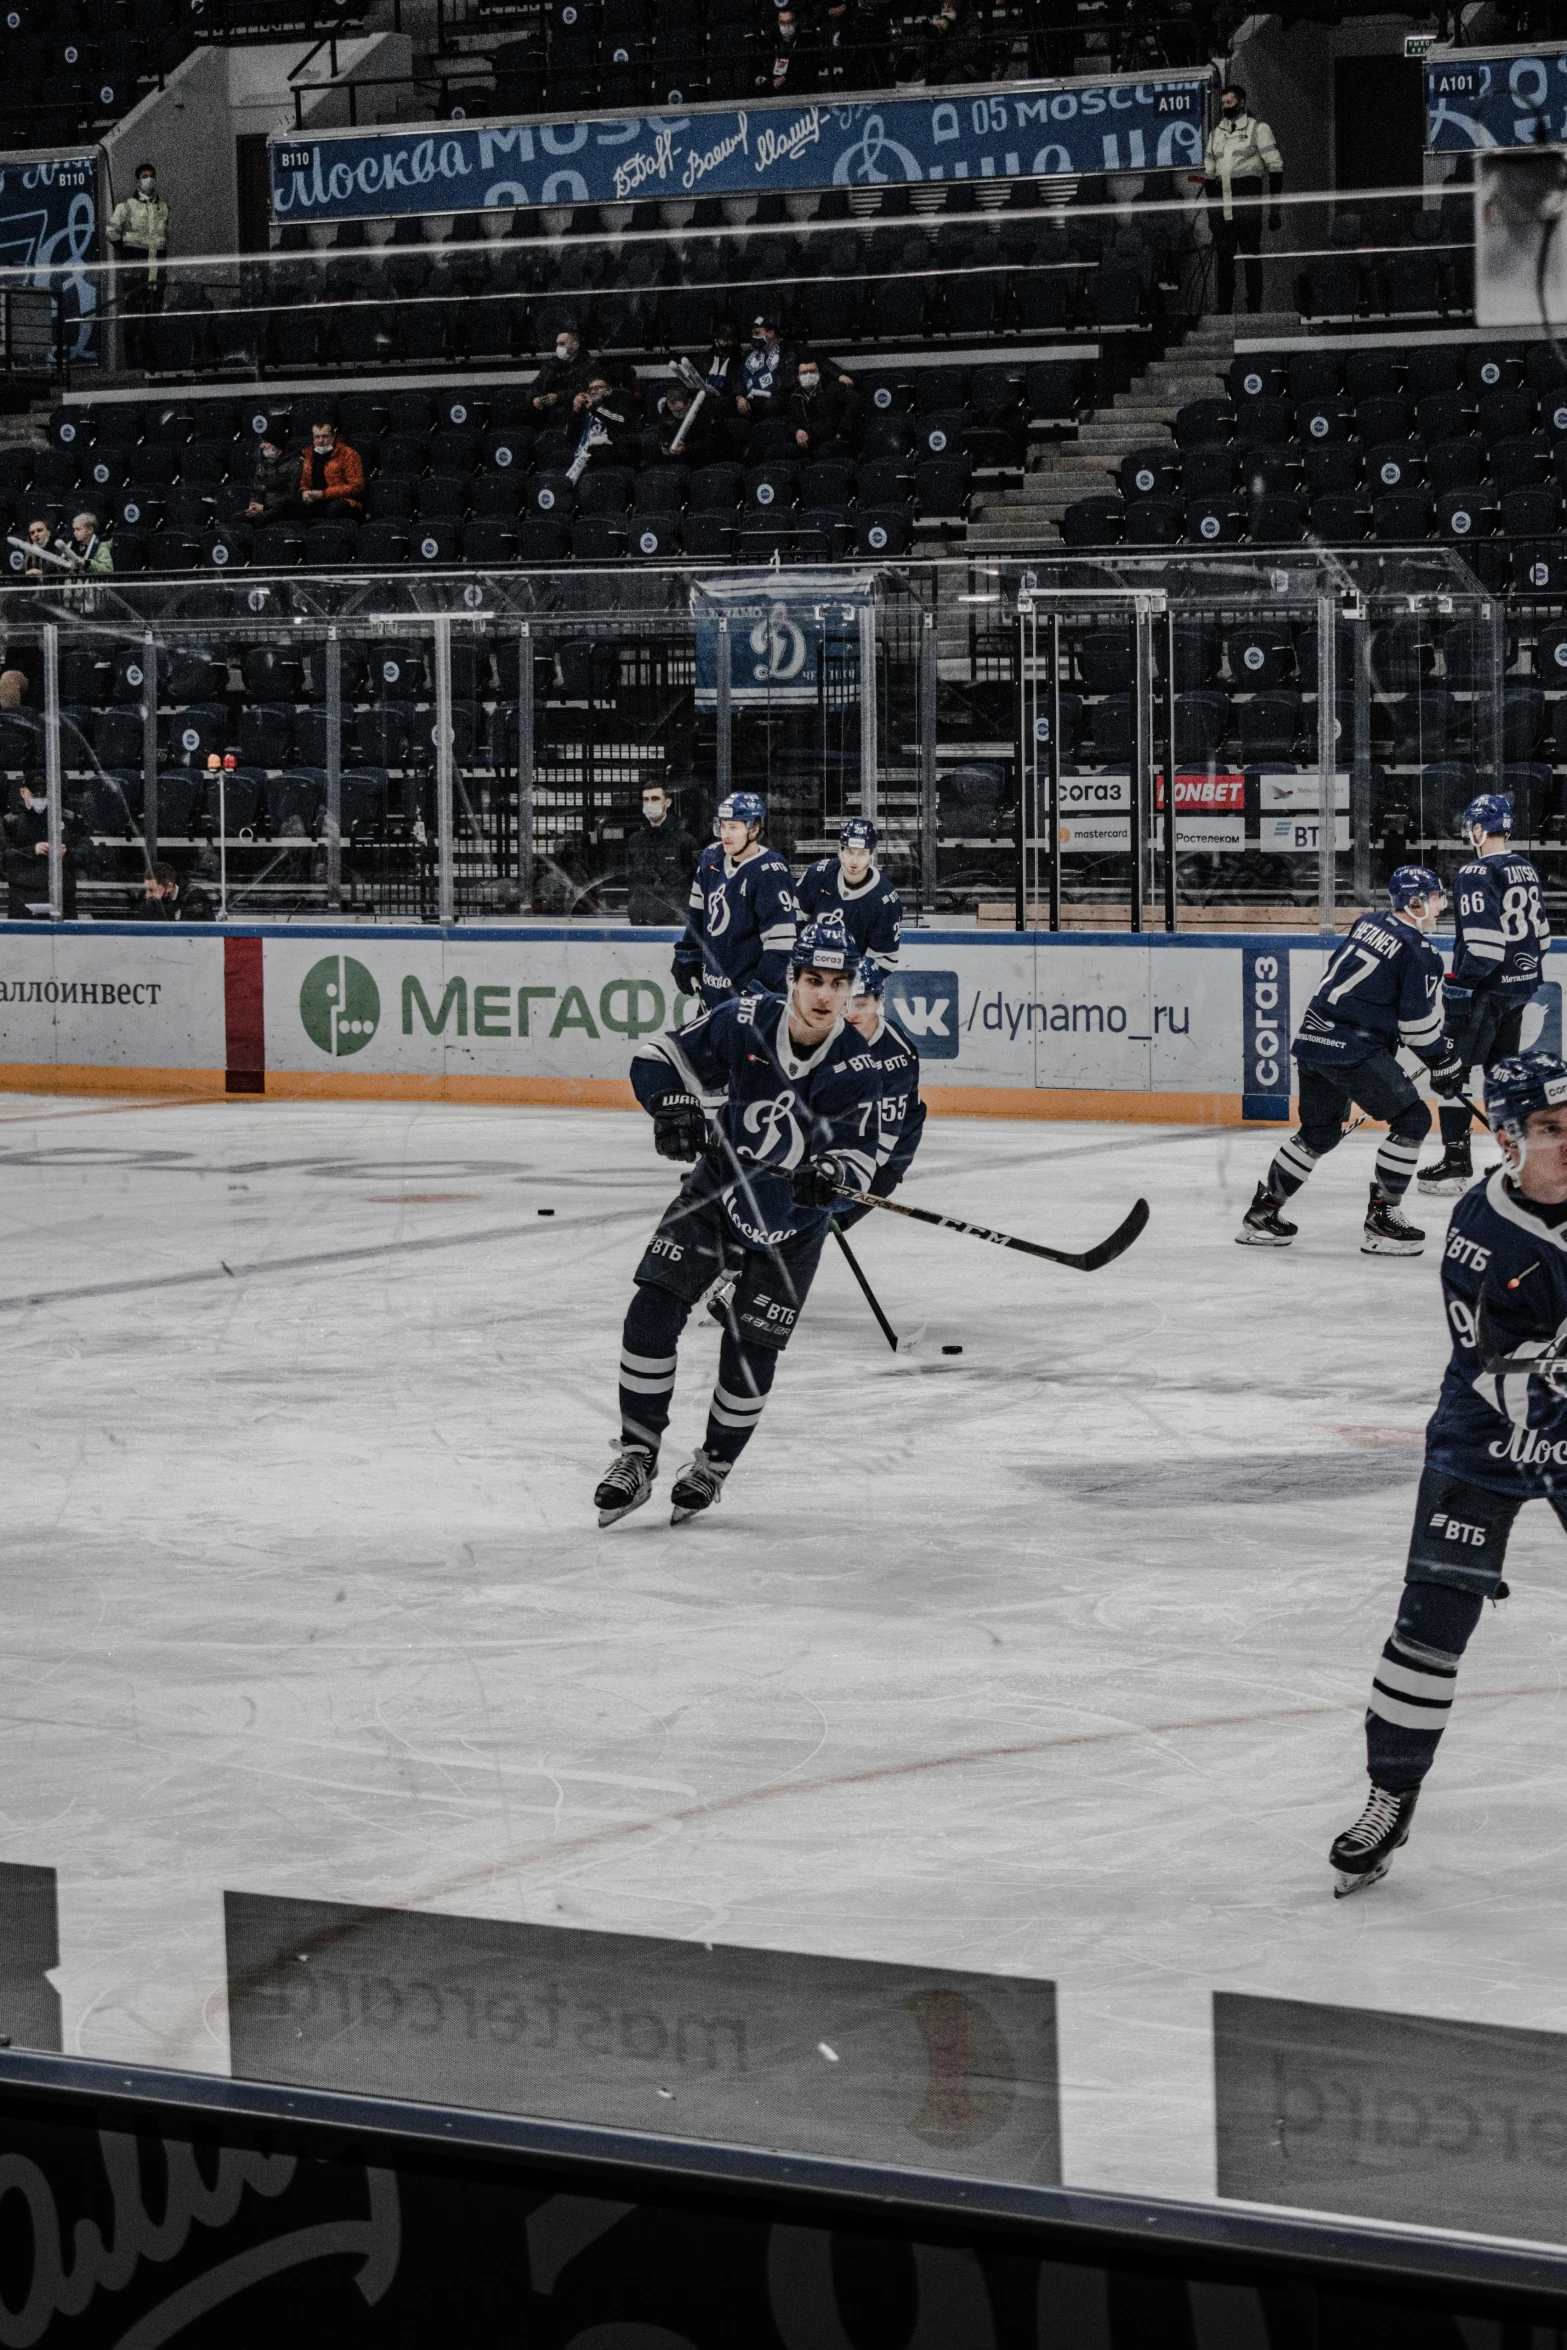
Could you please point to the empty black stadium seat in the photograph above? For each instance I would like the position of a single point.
(1394, 465)
(1201, 722)
(1260, 654)
(278, 546)
(1093, 522)
(878, 530)
(1330, 469)
(383, 544)
(196, 731)
(657, 537)
(1152, 472)
(1153, 522)
(334, 543)
(1456, 463)
(490, 541)
(598, 538)
(1468, 512)
(1269, 727)
(1342, 518)
(1207, 473)
(1104, 660)
(1422, 724)
(1531, 513)
(1204, 424)
(1262, 424)
(1399, 517)
(266, 734)
(1215, 521)
(544, 538)
(1523, 720)
(1488, 369)
(296, 803)
(1257, 378)
(1403, 654)
(441, 497)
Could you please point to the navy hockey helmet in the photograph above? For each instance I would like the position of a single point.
(742, 807)
(1520, 1085)
(1490, 811)
(859, 829)
(823, 945)
(870, 978)
(1410, 882)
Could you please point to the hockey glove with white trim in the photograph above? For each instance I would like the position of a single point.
(1456, 998)
(679, 1127)
(815, 1182)
(1447, 1076)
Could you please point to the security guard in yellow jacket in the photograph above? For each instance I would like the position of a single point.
(139, 231)
(1241, 153)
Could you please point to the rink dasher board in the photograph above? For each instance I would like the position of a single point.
(1081, 1024)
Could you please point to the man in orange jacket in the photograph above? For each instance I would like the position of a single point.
(331, 476)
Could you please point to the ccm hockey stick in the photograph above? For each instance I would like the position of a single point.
(1090, 1261)
(898, 1345)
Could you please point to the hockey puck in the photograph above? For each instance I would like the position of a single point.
(952, 1350)
(546, 1211)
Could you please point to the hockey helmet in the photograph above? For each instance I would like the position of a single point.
(1490, 812)
(742, 807)
(870, 978)
(1410, 882)
(823, 945)
(859, 831)
(1520, 1085)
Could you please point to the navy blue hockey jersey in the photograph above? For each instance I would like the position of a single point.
(1381, 990)
(1509, 1429)
(902, 1113)
(772, 1107)
(872, 912)
(1500, 929)
(740, 926)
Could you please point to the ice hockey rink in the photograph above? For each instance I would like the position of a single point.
(1047, 1659)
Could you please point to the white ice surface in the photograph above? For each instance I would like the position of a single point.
(1049, 1658)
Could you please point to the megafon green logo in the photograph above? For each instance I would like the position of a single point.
(340, 1005)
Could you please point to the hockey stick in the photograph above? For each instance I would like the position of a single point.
(1497, 1365)
(866, 1291)
(1090, 1261)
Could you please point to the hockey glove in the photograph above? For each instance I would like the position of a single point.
(1456, 997)
(679, 1127)
(686, 976)
(815, 1183)
(1447, 1076)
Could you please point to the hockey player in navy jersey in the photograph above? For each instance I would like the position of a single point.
(853, 885)
(1497, 1439)
(1500, 936)
(743, 913)
(1379, 992)
(902, 1113)
(776, 1099)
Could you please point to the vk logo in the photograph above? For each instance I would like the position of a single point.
(925, 1006)
(1542, 1020)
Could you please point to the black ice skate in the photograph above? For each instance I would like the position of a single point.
(1263, 1225)
(628, 1485)
(1364, 1853)
(1388, 1231)
(699, 1484)
(1452, 1173)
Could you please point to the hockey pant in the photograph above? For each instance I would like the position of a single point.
(1489, 1032)
(1456, 1552)
(693, 1245)
(1382, 1090)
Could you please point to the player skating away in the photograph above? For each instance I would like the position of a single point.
(901, 1112)
(743, 913)
(1497, 1439)
(853, 885)
(793, 1097)
(1500, 934)
(1379, 992)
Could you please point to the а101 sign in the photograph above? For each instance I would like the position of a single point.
(1496, 101)
(1023, 131)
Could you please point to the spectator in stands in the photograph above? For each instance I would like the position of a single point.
(139, 232)
(275, 485)
(701, 444)
(26, 827)
(722, 374)
(562, 377)
(1242, 153)
(88, 552)
(607, 421)
(165, 898)
(331, 475)
(791, 70)
(662, 857)
(761, 378)
(13, 688)
(39, 534)
(823, 412)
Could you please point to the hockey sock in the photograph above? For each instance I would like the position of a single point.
(654, 1321)
(1455, 1122)
(1412, 1691)
(1292, 1163)
(745, 1373)
(1399, 1149)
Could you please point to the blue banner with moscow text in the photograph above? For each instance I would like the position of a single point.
(1496, 101)
(1020, 131)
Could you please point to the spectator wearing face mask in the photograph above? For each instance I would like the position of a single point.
(792, 69)
(823, 412)
(561, 378)
(761, 377)
(662, 857)
(331, 476)
(139, 232)
(274, 486)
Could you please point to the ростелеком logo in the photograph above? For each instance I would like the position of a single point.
(339, 1005)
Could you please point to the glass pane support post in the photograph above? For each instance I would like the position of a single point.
(149, 748)
(53, 778)
(334, 770)
(445, 874)
(1492, 617)
(1023, 755)
(1171, 905)
(930, 859)
(724, 715)
(870, 804)
(526, 762)
(1327, 763)
(1140, 782)
(1360, 772)
(1052, 814)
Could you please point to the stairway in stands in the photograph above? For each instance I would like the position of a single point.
(1028, 518)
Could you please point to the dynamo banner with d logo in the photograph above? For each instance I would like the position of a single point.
(1506, 99)
(783, 630)
(49, 227)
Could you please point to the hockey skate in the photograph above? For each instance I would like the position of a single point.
(628, 1485)
(1364, 1853)
(699, 1484)
(1452, 1173)
(1388, 1231)
(1264, 1224)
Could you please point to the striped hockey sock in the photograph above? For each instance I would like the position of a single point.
(654, 1321)
(1292, 1163)
(1396, 1158)
(1411, 1698)
(745, 1374)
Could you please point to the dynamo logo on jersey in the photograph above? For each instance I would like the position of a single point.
(925, 1006)
(772, 1122)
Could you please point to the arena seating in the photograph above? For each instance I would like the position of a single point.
(72, 70)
